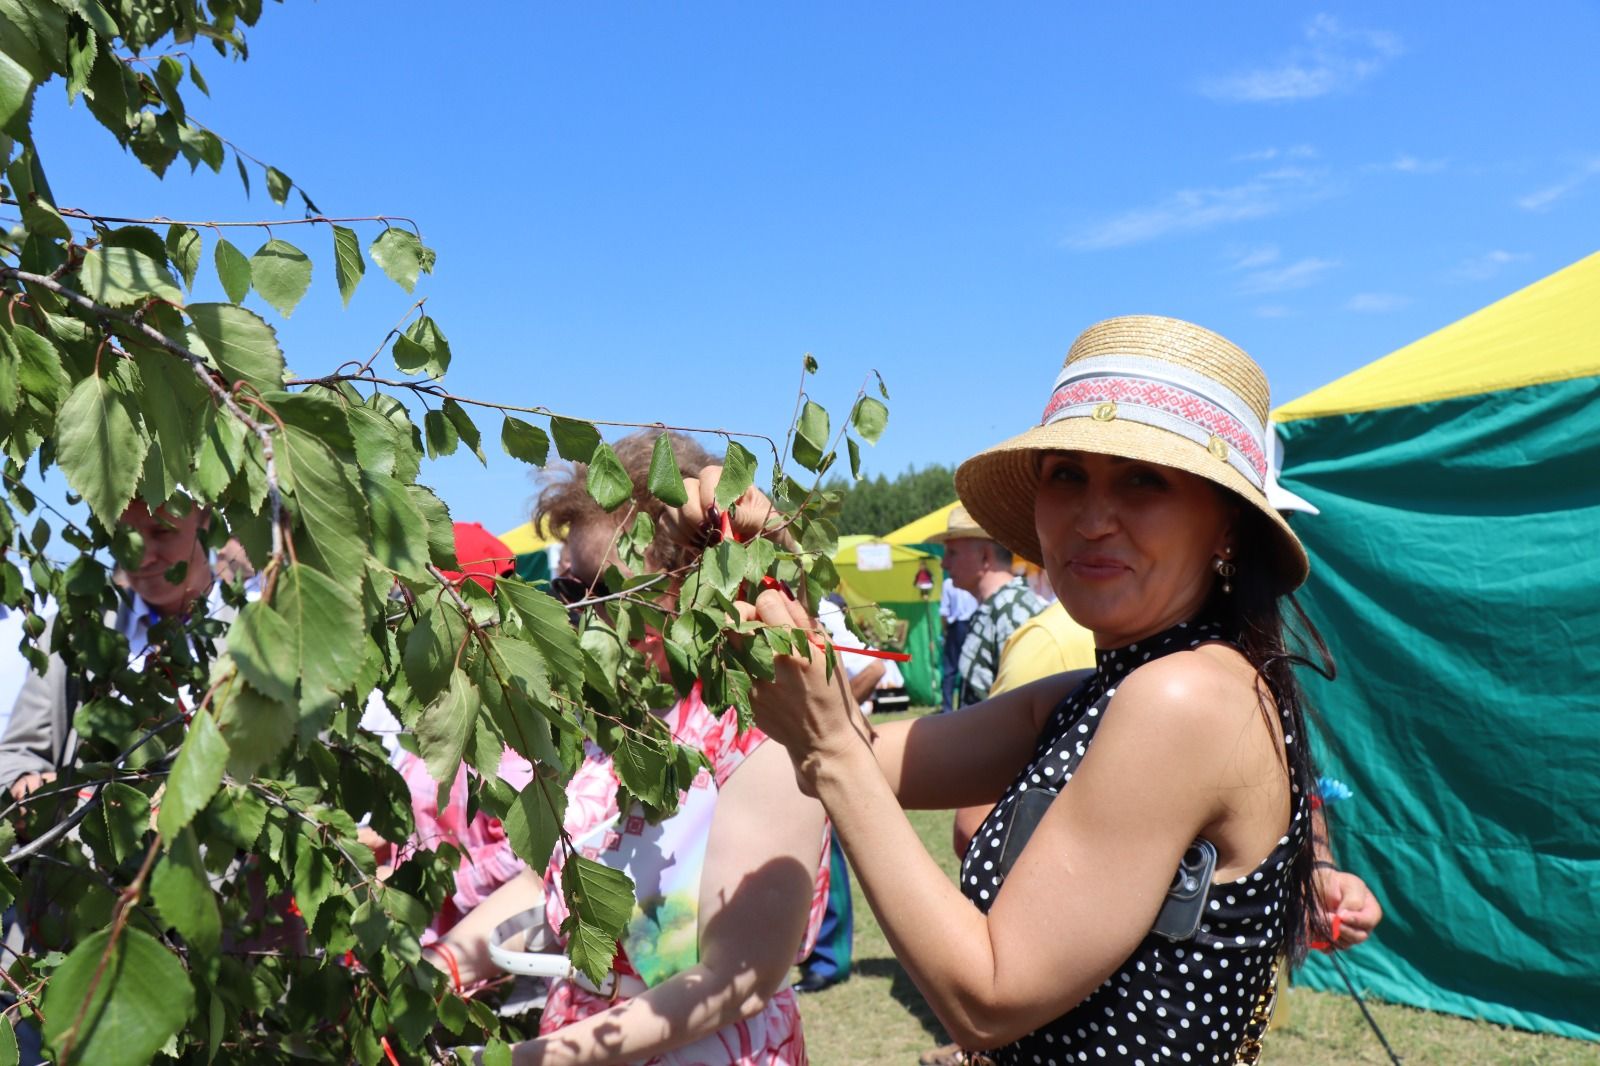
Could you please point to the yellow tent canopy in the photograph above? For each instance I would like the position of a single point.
(919, 531)
(1547, 332)
(526, 539)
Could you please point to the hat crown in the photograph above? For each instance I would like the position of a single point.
(1183, 344)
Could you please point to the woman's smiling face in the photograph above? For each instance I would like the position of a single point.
(1129, 545)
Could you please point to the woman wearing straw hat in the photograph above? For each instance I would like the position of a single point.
(1069, 938)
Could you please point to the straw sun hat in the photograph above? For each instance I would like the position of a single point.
(1143, 387)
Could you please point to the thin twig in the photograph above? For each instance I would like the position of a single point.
(438, 392)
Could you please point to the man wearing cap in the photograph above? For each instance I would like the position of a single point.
(977, 564)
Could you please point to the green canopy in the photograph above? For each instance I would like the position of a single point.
(1456, 578)
(895, 587)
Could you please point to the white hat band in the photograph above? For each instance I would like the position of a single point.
(1157, 393)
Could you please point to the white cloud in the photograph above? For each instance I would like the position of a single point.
(1376, 303)
(1485, 266)
(1542, 199)
(1296, 275)
(1266, 155)
(1192, 210)
(1252, 258)
(1331, 59)
(1410, 164)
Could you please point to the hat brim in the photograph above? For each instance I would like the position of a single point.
(944, 536)
(998, 485)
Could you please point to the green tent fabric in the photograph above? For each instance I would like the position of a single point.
(895, 588)
(1456, 578)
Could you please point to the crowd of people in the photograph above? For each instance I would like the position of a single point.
(1141, 848)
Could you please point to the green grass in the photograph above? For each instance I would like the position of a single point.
(878, 1016)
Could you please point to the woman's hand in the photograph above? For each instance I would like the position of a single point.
(812, 715)
(1345, 896)
(749, 516)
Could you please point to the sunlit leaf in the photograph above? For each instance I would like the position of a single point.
(738, 474)
(348, 265)
(399, 254)
(666, 480)
(870, 418)
(575, 440)
(607, 481)
(118, 1004)
(195, 777)
(281, 273)
(524, 441)
(233, 270)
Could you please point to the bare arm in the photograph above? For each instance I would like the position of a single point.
(755, 895)
(469, 938)
(1182, 750)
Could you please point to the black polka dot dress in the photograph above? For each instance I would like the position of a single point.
(1186, 1002)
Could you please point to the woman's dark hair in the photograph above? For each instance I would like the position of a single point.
(1254, 613)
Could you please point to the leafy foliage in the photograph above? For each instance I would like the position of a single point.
(879, 505)
(216, 902)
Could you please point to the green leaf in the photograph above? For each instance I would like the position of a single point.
(575, 440)
(870, 419)
(326, 622)
(278, 185)
(314, 878)
(724, 566)
(183, 246)
(244, 174)
(169, 397)
(242, 346)
(121, 277)
(182, 891)
(545, 625)
(137, 993)
(332, 515)
(465, 428)
(811, 363)
(399, 254)
(99, 448)
(446, 725)
(855, 457)
(601, 902)
(9, 1054)
(168, 76)
(738, 474)
(441, 531)
(281, 273)
(432, 649)
(195, 777)
(199, 82)
(348, 266)
(257, 727)
(666, 480)
(440, 433)
(641, 763)
(422, 349)
(608, 482)
(16, 92)
(233, 270)
(399, 532)
(39, 368)
(258, 641)
(239, 813)
(523, 441)
(533, 824)
(811, 436)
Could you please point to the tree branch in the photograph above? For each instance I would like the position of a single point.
(202, 371)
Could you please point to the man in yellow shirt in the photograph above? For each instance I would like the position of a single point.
(1047, 644)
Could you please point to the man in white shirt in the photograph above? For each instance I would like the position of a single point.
(956, 608)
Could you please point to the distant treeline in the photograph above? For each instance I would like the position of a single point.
(880, 505)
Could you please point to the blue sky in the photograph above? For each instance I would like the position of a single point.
(650, 212)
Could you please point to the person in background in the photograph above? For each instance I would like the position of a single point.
(39, 738)
(955, 608)
(742, 913)
(981, 566)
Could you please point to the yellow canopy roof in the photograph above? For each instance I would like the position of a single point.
(1549, 331)
(919, 531)
(525, 539)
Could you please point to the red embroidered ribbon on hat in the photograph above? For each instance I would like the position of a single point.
(1178, 402)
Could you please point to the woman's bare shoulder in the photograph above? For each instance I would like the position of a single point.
(1204, 687)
